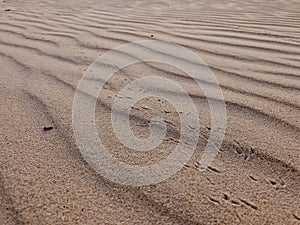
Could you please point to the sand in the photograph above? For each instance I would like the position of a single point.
(253, 48)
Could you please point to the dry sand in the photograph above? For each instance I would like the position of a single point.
(253, 47)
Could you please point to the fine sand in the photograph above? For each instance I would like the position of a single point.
(253, 48)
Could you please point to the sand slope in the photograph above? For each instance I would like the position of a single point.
(252, 47)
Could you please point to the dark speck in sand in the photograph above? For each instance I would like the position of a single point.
(47, 128)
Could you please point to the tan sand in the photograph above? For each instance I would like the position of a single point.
(253, 47)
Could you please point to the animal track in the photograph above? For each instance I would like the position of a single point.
(296, 217)
(234, 202)
(252, 178)
(214, 169)
(215, 201)
(226, 196)
(272, 182)
(135, 108)
(146, 108)
(277, 184)
(250, 204)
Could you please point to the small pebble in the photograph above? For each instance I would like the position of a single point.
(48, 128)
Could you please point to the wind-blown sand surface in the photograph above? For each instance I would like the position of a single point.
(253, 48)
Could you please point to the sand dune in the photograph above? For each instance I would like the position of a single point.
(253, 48)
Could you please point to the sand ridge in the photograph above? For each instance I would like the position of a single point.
(253, 49)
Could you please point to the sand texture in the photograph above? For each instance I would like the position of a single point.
(253, 48)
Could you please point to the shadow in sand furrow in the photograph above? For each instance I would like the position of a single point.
(117, 14)
(236, 35)
(235, 57)
(240, 33)
(43, 28)
(272, 119)
(255, 80)
(229, 88)
(34, 22)
(122, 20)
(31, 13)
(47, 42)
(295, 60)
(41, 52)
(235, 29)
(59, 35)
(252, 60)
(83, 19)
(231, 15)
(27, 15)
(249, 153)
(238, 30)
(279, 47)
(255, 38)
(233, 74)
(54, 26)
(190, 23)
(43, 18)
(40, 25)
(263, 24)
(133, 31)
(235, 45)
(292, 76)
(18, 63)
(8, 205)
(247, 25)
(115, 21)
(235, 90)
(108, 22)
(13, 25)
(72, 38)
(80, 28)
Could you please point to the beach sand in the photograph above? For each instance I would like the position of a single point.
(252, 47)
